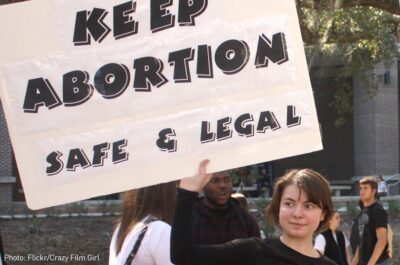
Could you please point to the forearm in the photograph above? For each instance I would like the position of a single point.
(348, 256)
(355, 259)
(181, 232)
(379, 248)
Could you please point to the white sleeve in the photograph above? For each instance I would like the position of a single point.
(320, 243)
(112, 258)
(347, 242)
(159, 243)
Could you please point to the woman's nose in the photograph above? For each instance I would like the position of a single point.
(298, 212)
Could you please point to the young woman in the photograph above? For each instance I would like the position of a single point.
(151, 207)
(300, 206)
(333, 243)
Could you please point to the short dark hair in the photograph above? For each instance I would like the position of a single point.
(371, 181)
(313, 184)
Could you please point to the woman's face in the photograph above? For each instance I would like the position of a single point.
(334, 222)
(298, 217)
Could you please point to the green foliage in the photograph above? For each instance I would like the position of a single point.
(268, 229)
(394, 206)
(352, 208)
(356, 38)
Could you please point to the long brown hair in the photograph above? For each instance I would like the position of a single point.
(312, 183)
(157, 200)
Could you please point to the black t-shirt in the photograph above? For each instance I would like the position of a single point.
(249, 251)
(370, 219)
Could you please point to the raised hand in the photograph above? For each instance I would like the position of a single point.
(198, 181)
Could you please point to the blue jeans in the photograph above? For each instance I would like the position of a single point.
(385, 262)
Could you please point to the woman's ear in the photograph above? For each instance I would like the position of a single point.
(322, 216)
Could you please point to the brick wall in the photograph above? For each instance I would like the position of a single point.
(376, 127)
(6, 178)
(6, 194)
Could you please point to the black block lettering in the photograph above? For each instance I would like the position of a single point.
(223, 131)
(99, 154)
(206, 136)
(276, 51)
(160, 16)
(189, 9)
(241, 128)
(180, 59)
(119, 153)
(39, 92)
(111, 80)
(56, 165)
(266, 121)
(123, 24)
(204, 62)
(76, 89)
(165, 142)
(90, 23)
(148, 73)
(292, 119)
(77, 157)
(231, 56)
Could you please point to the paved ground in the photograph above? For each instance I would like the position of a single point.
(85, 240)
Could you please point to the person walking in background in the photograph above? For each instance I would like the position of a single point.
(142, 235)
(382, 187)
(217, 218)
(301, 205)
(333, 243)
(372, 227)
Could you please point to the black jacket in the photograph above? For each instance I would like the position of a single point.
(333, 250)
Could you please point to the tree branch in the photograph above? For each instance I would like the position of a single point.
(391, 6)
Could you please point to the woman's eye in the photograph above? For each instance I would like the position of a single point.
(310, 205)
(289, 204)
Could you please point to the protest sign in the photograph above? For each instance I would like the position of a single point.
(106, 96)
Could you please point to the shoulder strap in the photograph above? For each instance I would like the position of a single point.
(139, 241)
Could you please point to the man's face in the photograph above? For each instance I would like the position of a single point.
(218, 190)
(367, 194)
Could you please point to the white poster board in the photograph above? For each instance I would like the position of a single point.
(106, 96)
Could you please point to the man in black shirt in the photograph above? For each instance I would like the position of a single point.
(218, 218)
(372, 227)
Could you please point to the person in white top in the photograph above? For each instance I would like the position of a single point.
(382, 187)
(153, 207)
(333, 243)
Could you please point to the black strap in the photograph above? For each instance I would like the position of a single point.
(139, 241)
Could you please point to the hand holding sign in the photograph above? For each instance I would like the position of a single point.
(197, 182)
